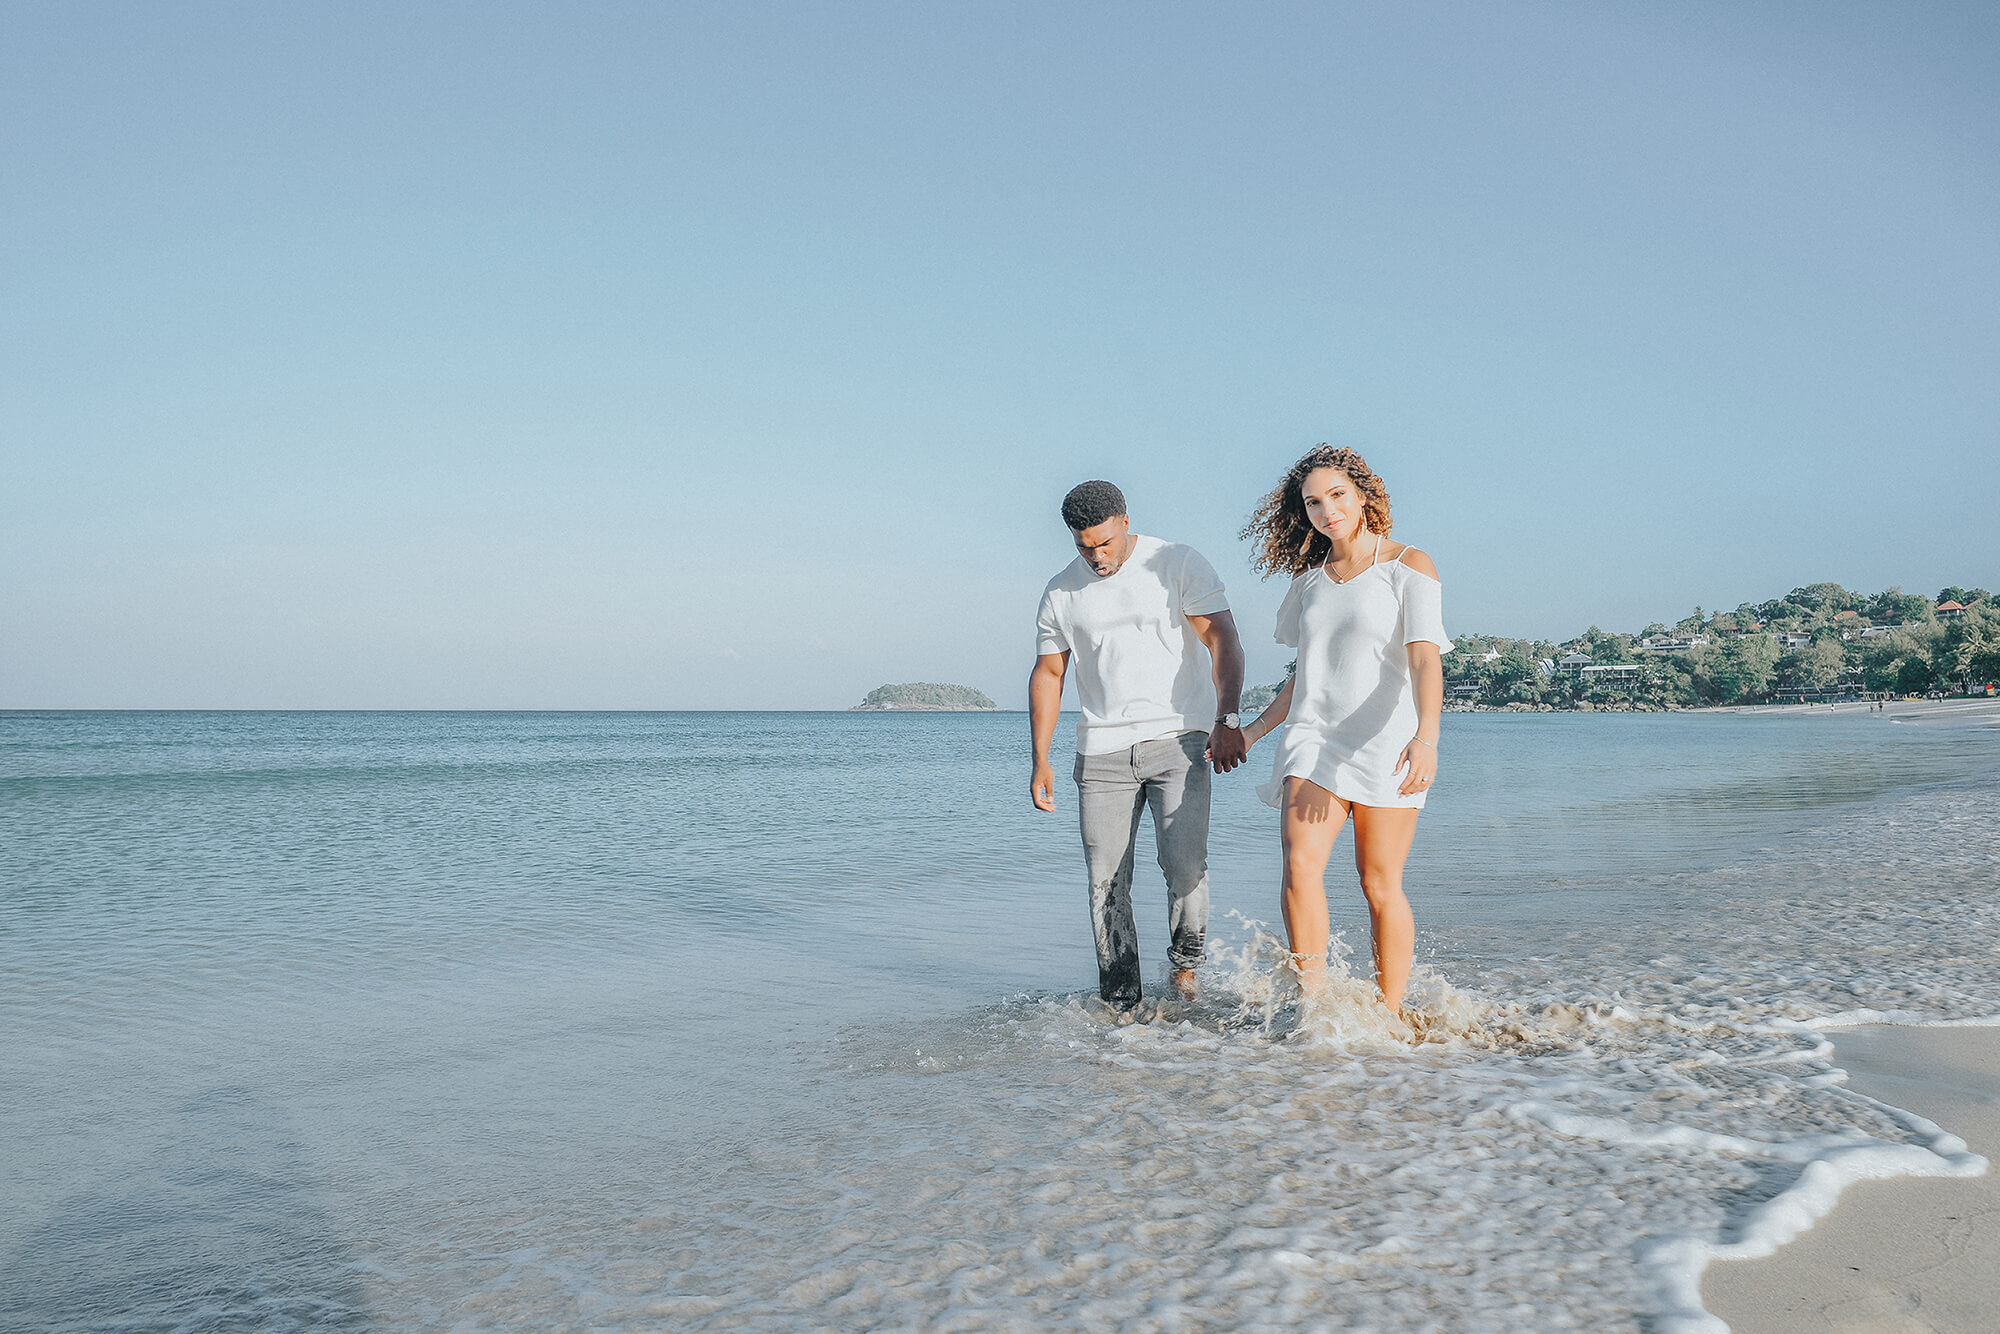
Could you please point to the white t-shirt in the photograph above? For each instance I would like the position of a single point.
(1141, 671)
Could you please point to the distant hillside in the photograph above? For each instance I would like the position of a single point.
(1818, 642)
(1258, 698)
(926, 696)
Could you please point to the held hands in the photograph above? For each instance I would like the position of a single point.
(1042, 787)
(1420, 757)
(1227, 748)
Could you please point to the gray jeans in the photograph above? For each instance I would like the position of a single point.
(1170, 776)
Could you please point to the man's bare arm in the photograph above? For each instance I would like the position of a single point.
(1045, 687)
(1226, 745)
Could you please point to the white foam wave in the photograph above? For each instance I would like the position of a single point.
(1677, 1262)
(1899, 1018)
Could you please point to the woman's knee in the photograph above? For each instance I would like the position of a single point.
(1303, 868)
(1381, 885)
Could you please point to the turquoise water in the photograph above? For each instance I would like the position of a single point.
(552, 1021)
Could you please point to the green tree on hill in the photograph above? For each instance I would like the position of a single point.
(1892, 606)
(1908, 648)
(1817, 666)
(1968, 650)
(1737, 668)
(1602, 646)
(1901, 661)
(1512, 676)
(1825, 599)
(1516, 675)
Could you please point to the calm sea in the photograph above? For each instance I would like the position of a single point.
(776, 1021)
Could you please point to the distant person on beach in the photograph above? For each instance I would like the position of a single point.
(1133, 615)
(1363, 703)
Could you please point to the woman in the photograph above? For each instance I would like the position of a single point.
(1365, 615)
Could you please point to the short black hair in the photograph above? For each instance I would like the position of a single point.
(1091, 503)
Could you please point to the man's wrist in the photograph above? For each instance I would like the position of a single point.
(1231, 720)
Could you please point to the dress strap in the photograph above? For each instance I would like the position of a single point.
(1378, 552)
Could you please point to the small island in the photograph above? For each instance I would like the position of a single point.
(925, 697)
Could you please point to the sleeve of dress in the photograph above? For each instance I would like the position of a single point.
(1051, 635)
(1423, 611)
(1201, 590)
(1288, 613)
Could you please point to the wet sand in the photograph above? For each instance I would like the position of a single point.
(1905, 1256)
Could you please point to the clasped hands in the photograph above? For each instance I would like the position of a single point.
(1227, 748)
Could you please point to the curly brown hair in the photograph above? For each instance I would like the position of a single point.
(1287, 543)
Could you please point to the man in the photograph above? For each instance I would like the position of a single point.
(1132, 614)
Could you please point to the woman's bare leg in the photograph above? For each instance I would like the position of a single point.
(1311, 821)
(1382, 838)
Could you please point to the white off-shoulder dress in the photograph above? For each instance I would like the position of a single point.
(1353, 710)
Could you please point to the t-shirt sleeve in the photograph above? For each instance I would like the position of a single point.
(1051, 631)
(1201, 591)
(1288, 614)
(1423, 611)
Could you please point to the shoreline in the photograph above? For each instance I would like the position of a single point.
(1899, 1254)
(1983, 709)
(1975, 710)
(1978, 709)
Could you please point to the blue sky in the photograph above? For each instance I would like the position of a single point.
(599, 356)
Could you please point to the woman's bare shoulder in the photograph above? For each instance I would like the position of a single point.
(1416, 560)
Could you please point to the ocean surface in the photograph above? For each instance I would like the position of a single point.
(781, 1021)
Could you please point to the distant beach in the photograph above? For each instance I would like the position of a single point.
(1978, 711)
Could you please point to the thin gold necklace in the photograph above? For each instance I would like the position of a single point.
(1326, 566)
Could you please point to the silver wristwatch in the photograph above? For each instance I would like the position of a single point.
(1232, 720)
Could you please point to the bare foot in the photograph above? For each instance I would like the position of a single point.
(1184, 983)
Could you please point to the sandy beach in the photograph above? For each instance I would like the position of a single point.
(1976, 710)
(1901, 1256)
